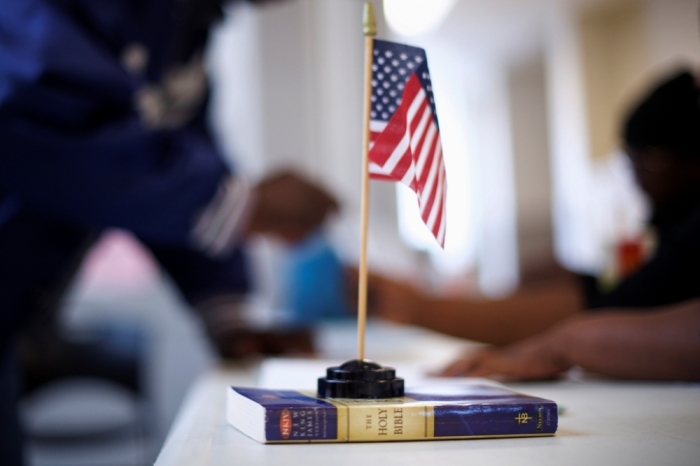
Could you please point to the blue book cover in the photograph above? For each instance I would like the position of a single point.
(424, 413)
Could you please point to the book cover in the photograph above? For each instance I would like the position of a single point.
(424, 413)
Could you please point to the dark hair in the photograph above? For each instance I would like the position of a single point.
(669, 118)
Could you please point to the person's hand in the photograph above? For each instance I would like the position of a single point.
(289, 207)
(241, 343)
(536, 358)
(232, 335)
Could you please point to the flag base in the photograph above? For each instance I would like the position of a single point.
(360, 379)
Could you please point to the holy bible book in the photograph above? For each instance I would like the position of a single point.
(424, 413)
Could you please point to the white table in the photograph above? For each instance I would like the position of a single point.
(604, 423)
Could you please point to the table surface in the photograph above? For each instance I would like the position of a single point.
(603, 422)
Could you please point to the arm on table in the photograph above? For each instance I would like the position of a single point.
(661, 345)
(499, 322)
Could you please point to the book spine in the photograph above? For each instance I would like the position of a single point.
(360, 422)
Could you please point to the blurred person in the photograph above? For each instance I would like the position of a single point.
(662, 139)
(103, 124)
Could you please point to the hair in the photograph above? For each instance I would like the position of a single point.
(668, 117)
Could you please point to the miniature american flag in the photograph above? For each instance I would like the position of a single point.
(404, 134)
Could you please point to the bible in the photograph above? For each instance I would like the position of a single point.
(437, 412)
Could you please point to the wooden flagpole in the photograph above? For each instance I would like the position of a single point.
(370, 30)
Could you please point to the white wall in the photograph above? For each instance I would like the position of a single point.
(529, 121)
(674, 33)
(288, 93)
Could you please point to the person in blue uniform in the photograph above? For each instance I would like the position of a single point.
(102, 124)
(648, 325)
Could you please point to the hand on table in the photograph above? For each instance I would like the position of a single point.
(536, 358)
(234, 338)
(241, 343)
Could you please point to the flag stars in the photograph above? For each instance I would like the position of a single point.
(390, 69)
(373, 114)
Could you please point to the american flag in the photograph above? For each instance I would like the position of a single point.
(404, 134)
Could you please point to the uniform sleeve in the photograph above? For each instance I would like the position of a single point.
(72, 146)
(201, 278)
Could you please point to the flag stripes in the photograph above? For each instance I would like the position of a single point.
(407, 148)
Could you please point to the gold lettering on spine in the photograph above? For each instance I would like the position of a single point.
(382, 422)
(398, 421)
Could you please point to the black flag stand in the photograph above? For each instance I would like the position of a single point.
(360, 379)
